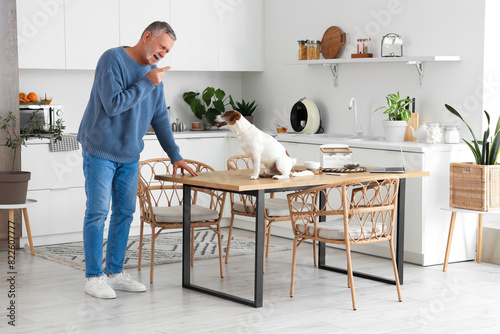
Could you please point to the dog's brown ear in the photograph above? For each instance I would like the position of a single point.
(232, 116)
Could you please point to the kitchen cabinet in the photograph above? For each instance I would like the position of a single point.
(217, 36)
(302, 152)
(211, 36)
(58, 185)
(57, 216)
(208, 150)
(91, 27)
(195, 24)
(135, 16)
(40, 34)
(239, 36)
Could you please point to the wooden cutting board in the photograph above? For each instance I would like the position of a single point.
(412, 122)
(333, 39)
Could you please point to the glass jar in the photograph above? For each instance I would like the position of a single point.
(302, 49)
(451, 134)
(434, 132)
(313, 49)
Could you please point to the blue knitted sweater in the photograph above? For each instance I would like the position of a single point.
(122, 105)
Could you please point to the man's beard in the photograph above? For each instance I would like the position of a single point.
(150, 55)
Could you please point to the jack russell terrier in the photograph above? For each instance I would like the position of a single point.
(259, 146)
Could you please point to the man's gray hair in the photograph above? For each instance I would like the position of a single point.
(157, 27)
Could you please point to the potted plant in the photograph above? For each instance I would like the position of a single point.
(212, 103)
(395, 125)
(14, 184)
(246, 109)
(476, 186)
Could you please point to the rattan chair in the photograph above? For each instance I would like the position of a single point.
(161, 205)
(276, 209)
(365, 214)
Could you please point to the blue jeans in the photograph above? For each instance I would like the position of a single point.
(107, 181)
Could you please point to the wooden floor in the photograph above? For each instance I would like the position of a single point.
(50, 299)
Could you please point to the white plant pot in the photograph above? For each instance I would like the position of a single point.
(395, 130)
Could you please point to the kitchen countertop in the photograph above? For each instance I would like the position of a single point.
(377, 143)
(316, 139)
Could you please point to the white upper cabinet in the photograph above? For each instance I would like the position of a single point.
(40, 34)
(135, 16)
(91, 27)
(195, 24)
(220, 35)
(239, 35)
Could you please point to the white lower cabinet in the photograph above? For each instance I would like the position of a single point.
(57, 216)
(57, 183)
(208, 150)
(302, 152)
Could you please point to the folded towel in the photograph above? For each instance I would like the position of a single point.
(68, 143)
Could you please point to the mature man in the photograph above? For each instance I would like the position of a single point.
(126, 98)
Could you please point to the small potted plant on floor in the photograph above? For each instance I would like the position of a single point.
(476, 186)
(14, 184)
(212, 103)
(395, 125)
(246, 109)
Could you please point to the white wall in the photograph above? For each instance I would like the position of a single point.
(428, 27)
(491, 89)
(71, 88)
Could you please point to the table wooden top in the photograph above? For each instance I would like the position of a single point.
(238, 180)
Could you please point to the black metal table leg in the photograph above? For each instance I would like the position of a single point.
(186, 236)
(400, 231)
(259, 252)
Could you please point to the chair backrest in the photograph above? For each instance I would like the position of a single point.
(237, 162)
(161, 192)
(368, 209)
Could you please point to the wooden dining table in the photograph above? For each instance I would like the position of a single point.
(237, 181)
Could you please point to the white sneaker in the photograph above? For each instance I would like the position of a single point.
(123, 282)
(98, 288)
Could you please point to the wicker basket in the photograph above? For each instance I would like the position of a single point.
(475, 187)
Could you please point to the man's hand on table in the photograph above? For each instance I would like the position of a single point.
(183, 166)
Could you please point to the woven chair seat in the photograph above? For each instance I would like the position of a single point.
(334, 229)
(275, 207)
(173, 214)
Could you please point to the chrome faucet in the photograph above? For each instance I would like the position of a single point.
(358, 131)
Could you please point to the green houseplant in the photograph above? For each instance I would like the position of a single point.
(487, 154)
(13, 184)
(396, 108)
(246, 109)
(398, 116)
(211, 104)
(475, 186)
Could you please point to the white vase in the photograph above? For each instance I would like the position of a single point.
(395, 130)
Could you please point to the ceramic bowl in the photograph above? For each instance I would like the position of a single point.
(312, 165)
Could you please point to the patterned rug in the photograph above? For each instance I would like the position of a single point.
(168, 249)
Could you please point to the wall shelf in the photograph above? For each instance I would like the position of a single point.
(333, 64)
